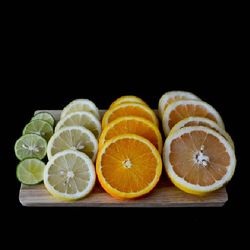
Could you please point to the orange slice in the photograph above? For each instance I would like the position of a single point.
(127, 99)
(129, 109)
(182, 109)
(173, 96)
(128, 166)
(201, 121)
(198, 160)
(132, 125)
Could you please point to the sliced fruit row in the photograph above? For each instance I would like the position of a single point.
(70, 172)
(129, 163)
(31, 148)
(198, 153)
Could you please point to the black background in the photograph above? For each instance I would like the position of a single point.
(49, 65)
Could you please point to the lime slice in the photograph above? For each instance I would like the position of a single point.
(69, 175)
(39, 127)
(81, 105)
(30, 171)
(44, 116)
(81, 118)
(74, 137)
(30, 146)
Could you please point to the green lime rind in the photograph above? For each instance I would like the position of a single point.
(45, 116)
(30, 146)
(30, 171)
(39, 127)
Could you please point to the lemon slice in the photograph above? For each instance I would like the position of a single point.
(81, 118)
(69, 175)
(73, 137)
(173, 96)
(200, 121)
(80, 105)
(198, 160)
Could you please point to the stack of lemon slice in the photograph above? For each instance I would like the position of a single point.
(198, 153)
(70, 173)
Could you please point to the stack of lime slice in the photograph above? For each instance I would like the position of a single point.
(31, 148)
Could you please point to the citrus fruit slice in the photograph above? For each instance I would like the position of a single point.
(30, 171)
(198, 160)
(80, 105)
(81, 118)
(45, 116)
(128, 166)
(73, 137)
(201, 121)
(30, 146)
(129, 109)
(132, 125)
(127, 99)
(39, 127)
(69, 175)
(179, 110)
(173, 96)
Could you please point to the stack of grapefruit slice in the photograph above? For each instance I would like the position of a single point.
(198, 153)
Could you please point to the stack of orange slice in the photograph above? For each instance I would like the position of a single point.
(198, 153)
(129, 163)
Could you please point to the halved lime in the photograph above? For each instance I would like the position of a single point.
(30, 171)
(39, 127)
(30, 146)
(44, 116)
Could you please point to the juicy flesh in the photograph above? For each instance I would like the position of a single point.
(183, 111)
(128, 165)
(69, 175)
(199, 158)
(133, 127)
(73, 140)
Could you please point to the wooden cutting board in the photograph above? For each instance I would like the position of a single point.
(164, 195)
